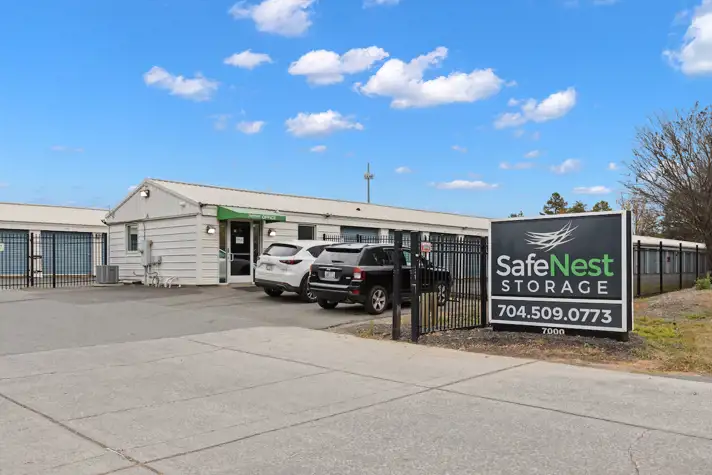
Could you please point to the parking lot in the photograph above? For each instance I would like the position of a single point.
(37, 320)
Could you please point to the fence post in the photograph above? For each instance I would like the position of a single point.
(414, 286)
(662, 270)
(680, 264)
(397, 283)
(31, 255)
(484, 300)
(640, 270)
(105, 249)
(28, 256)
(54, 260)
(697, 262)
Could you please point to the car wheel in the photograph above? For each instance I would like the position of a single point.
(443, 293)
(326, 304)
(306, 294)
(377, 301)
(273, 292)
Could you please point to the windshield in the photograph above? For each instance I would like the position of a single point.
(335, 255)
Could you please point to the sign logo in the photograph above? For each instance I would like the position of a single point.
(549, 241)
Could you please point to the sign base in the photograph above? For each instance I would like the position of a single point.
(620, 336)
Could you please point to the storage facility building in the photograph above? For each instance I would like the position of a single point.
(205, 235)
(37, 239)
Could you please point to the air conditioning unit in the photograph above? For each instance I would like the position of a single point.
(107, 274)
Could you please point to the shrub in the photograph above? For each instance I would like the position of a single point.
(703, 283)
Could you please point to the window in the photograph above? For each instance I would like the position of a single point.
(339, 255)
(281, 250)
(376, 257)
(306, 232)
(132, 237)
(316, 250)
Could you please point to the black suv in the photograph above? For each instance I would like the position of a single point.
(363, 273)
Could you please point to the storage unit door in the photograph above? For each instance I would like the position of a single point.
(73, 253)
(353, 234)
(14, 246)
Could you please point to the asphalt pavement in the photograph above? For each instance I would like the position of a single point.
(46, 319)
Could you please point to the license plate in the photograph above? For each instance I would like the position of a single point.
(330, 274)
(268, 266)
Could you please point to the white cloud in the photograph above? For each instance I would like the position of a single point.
(513, 102)
(516, 166)
(457, 148)
(553, 107)
(694, 57)
(519, 133)
(198, 88)
(322, 123)
(249, 128)
(536, 135)
(567, 166)
(322, 67)
(132, 188)
(403, 170)
(318, 148)
(281, 17)
(613, 166)
(374, 3)
(465, 185)
(605, 2)
(404, 83)
(533, 154)
(247, 59)
(64, 148)
(592, 190)
(220, 121)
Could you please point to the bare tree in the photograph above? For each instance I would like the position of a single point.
(646, 218)
(672, 169)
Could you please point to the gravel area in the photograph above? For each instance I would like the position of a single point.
(673, 306)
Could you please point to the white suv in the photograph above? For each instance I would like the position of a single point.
(284, 267)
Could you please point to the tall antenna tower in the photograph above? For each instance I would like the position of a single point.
(368, 176)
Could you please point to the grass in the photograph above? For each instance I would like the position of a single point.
(684, 346)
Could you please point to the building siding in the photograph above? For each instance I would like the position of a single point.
(174, 241)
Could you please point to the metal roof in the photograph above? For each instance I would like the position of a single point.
(50, 214)
(280, 203)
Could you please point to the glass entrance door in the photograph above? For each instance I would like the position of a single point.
(240, 252)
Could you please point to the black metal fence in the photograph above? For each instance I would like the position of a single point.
(663, 268)
(449, 278)
(444, 279)
(50, 259)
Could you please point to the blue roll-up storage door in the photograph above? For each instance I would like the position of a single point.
(13, 258)
(73, 253)
(352, 234)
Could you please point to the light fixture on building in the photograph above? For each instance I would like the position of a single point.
(210, 229)
(271, 232)
(145, 193)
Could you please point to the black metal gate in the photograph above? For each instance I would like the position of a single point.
(50, 258)
(448, 280)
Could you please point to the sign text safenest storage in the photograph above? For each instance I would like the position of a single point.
(568, 271)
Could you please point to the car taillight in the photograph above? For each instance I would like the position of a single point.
(290, 262)
(359, 274)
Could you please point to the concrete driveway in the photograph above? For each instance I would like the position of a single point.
(37, 320)
(278, 400)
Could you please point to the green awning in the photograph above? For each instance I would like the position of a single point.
(225, 212)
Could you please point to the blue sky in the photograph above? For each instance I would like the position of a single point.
(508, 100)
